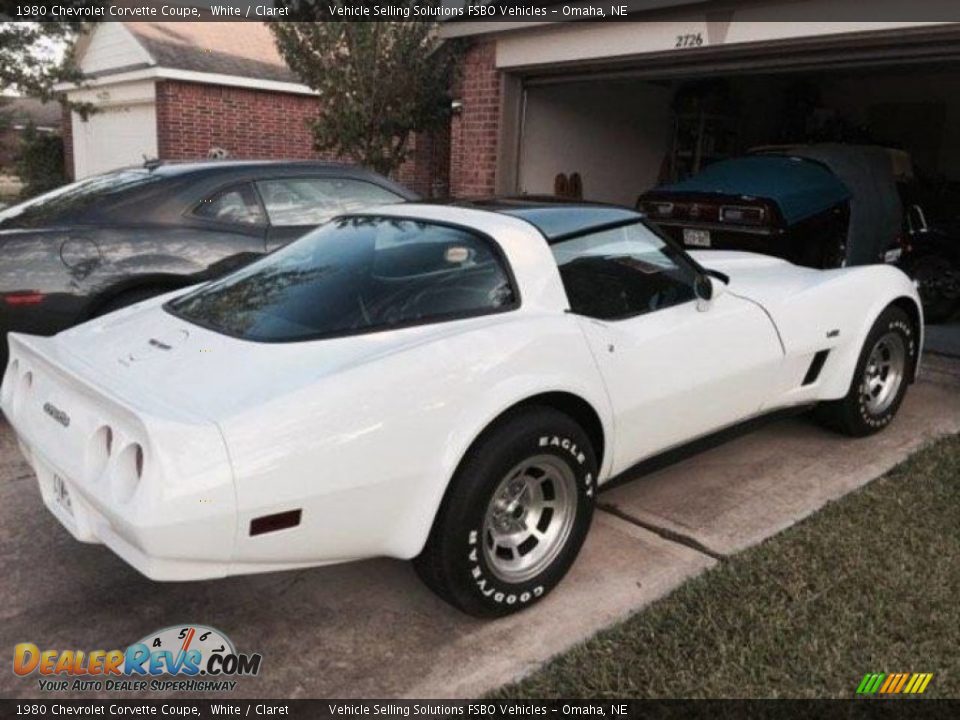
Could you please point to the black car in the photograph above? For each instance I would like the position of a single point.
(821, 206)
(931, 251)
(105, 242)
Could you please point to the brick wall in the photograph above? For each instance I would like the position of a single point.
(250, 124)
(474, 132)
(427, 169)
(192, 118)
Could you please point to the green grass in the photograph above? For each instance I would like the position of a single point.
(869, 584)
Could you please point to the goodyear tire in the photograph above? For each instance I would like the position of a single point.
(880, 380)
(515, 515)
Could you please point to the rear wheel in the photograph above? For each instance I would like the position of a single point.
(880, 381)
(515, 515)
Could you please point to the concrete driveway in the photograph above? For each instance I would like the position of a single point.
(371, 630)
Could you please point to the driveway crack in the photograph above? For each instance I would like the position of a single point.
(664, 532)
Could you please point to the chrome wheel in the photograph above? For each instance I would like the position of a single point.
(884, 373)
(529, 518)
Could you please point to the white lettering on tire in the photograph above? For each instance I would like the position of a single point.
(565, 444)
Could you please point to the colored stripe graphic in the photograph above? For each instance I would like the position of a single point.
(870, 683)
(894, 683)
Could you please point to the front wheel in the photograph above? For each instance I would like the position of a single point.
(880, 380)
(515, 515)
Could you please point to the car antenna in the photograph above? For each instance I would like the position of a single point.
(151, 163)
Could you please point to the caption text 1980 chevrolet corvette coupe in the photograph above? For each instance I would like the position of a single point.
(444, 383)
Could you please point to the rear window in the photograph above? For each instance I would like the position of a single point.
(356, 275)
(75, 197)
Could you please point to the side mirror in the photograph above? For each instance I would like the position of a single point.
(707, 289)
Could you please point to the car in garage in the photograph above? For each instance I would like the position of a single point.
(931, 248)
(931, 256)
(444, 383)
(104, 242)
(823, 205)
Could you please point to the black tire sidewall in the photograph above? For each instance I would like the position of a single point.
(475, 587)
(892, 320)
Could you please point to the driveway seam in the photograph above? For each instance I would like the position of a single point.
(664, 532)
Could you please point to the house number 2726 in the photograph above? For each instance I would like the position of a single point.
(689, 40)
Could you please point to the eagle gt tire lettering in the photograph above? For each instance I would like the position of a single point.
(515, 515)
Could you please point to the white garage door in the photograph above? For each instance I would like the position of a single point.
(115, 137)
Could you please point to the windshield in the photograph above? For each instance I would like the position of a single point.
(74, 197)
(354, 275)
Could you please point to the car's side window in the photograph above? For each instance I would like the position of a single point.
(236, 205)
(623, 272)
(313, 201)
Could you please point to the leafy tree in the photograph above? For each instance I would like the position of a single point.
(377, 82)
(31, 57)
(34, 58)
(40, 163)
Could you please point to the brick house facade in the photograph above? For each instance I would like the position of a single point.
(193, 118)
(475, 129)
(179, 91)
(255, 124)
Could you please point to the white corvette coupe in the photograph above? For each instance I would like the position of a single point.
(445, 383)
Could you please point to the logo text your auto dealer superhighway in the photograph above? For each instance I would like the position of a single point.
(197, 657)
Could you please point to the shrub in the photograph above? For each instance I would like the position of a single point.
(40, 162)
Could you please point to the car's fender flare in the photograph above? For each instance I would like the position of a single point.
(567, 399)
(845, 363)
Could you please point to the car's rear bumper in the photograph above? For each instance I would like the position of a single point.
(89, 523)
(171, 518)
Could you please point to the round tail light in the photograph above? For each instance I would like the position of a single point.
(127, 469)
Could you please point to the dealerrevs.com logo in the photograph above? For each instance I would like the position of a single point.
(182, 658)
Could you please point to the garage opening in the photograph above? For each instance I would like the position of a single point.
(623, 136)
(613, 138)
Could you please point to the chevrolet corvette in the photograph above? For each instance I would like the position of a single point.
(450, 384)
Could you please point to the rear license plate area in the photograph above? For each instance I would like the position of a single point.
(696, 238)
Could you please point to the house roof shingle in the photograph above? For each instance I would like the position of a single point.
(245, 49)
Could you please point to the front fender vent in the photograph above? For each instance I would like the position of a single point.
(272, 523)
(816, 365)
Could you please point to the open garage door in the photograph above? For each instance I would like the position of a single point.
(624, 135)
(626, 126)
